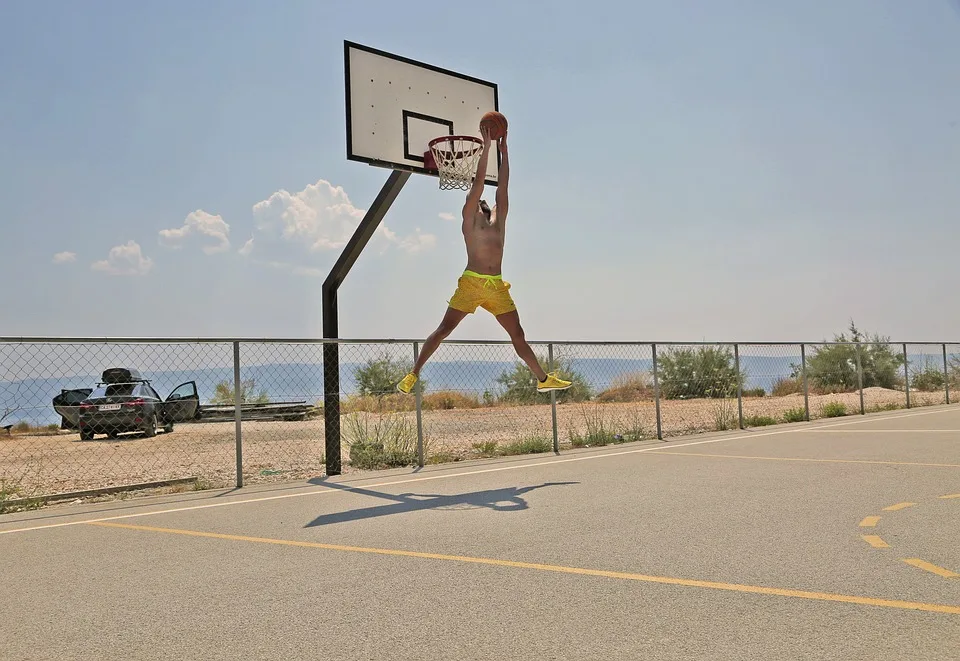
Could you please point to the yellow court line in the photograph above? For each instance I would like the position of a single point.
(926, 566)
(898, 506)
(498, 469)
(875, 541)
(869, 522)
(952, 495)
(666, 580)
(819, 461)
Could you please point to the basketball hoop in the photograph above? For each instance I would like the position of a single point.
(455, 158)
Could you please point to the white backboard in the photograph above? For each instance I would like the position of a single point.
(396, 105)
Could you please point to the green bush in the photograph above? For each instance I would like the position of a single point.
(379, 376)
(602, 431)
(834, 410)
(390, 441)
(224, 393)
(928, 379)
(753, 392)
(798, 414)
(758, 421)
(833, 368)
(699, 373)
(520, 385)
(528, 446)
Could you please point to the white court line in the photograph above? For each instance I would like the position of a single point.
(497, 469)
(887, 431)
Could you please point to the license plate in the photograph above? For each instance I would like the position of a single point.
(109, 407)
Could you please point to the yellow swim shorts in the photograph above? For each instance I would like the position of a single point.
(490, 292)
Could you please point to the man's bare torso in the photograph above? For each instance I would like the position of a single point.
(484, 246)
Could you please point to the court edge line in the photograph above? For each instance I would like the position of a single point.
(666, 580)
(810, 459)
(891, 431)
(497, 469)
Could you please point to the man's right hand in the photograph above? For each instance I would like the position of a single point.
(485, 134)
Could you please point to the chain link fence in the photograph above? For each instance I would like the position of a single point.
(219, 413)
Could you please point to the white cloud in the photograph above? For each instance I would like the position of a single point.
(320, 216)
(293, 268)
(64, 257)
(201, 223)
(125, 259)
(447, 216)
(247, 248)
(320, 219)
(416, 242)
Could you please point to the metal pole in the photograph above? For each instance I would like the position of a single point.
(237, 415)
(736, 363)
(806, 390)
(656, 393)
(553, 403)
(860, 379)
(331, 353)
(906, 373)
(946, 375)
(419, 394)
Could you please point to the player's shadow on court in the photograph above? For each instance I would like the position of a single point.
(507, 499)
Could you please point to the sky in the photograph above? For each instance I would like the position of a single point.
(680, 171)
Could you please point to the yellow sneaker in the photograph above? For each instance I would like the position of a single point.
(553, 382)
(406, 384)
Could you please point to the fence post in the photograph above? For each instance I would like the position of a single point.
(237, 401)
(860, 379)
(806, 390)
(419, 396)
(553, 403)
(946, 375)
(736, 363)
(656, 392)
(906, 373)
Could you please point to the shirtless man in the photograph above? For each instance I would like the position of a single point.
(481, 284)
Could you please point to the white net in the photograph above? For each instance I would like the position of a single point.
(456, 158)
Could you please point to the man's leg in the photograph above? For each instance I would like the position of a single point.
(450, 321)
(448, 324)
(511, 323)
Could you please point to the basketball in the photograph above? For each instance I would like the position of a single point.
(496, 123)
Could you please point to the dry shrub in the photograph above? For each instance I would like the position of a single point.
(450, 399)
(631, 387)
(787, 386)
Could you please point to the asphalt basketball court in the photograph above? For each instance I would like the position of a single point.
(828, 540)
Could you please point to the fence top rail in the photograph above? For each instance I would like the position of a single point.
(316, 340)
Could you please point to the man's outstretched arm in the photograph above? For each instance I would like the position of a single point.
(503, 181)
(476, 191)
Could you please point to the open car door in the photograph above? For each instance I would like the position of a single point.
(182, 404)
(67, 404)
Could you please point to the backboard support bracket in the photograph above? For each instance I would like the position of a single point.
(331, 323)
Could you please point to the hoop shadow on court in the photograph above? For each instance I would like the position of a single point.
(507, 499)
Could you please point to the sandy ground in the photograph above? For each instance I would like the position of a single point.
(46, 464)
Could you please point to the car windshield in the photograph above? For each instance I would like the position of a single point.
(114, 390)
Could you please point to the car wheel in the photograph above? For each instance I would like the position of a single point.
(167, 428)
(151, 429)
(86, 435)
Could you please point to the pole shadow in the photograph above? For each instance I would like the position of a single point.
(507, 499)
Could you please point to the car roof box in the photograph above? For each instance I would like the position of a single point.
(121, 375)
